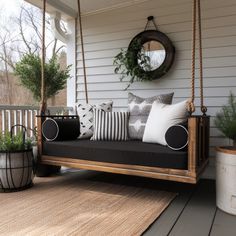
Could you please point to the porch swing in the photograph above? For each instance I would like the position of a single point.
(198, 129)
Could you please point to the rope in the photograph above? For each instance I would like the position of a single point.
(75, 58)
(196, 18)
(203, 108)
(43, 102)
(191, 106)
(150, 18)
(82, 50)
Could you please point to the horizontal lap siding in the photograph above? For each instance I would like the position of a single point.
(106, 33)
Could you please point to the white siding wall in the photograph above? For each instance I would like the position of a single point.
(106, 33)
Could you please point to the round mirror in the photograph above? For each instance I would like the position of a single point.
(154, 55)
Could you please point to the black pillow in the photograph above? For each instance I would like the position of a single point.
(60, 129)
(177, 137)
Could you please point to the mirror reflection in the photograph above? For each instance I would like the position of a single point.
(155, 52)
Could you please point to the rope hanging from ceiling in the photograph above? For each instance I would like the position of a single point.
(82, 51)
(43, 104)
(197, 22)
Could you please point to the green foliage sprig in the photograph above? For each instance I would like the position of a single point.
(133, 63)
(14, 143)
(226, 119)
(29, 71)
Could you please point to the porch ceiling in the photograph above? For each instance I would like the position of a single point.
(68, 8)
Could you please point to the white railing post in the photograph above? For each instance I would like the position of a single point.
(24, 115)
(26, 118)
(21, 116)
(31, 123)
(9, 120)
(3, 120)
(15, 120)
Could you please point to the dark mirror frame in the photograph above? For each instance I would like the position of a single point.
(155, 35)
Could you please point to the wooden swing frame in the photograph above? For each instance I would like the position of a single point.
(198, 128)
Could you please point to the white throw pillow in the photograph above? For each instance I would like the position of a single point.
(161, 117)
(85, 112)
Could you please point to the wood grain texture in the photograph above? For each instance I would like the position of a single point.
(164, 174)
(40, 121)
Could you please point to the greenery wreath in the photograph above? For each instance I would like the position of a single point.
(126, 66)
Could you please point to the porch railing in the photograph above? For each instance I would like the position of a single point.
(25, 115)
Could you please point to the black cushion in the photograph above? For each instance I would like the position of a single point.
(177, 137)
(126, 152)
(60, 129)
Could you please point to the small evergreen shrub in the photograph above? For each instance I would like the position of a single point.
(14, 143)
(28, 69)
(226, 119)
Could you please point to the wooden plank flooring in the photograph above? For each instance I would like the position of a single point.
(198, 213)
(164, 224)
(224, 224)
(192, 213)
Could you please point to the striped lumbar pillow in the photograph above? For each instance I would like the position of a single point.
(111, 126)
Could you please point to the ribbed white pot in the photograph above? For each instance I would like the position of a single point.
(226, 179)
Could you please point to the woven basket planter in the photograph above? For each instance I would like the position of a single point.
(16, 166)
(16, 170)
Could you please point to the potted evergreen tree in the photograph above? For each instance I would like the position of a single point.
(226, 158)
(28, 69)
(16, 161)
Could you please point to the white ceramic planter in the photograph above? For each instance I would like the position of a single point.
(16, 170)
(226, 180)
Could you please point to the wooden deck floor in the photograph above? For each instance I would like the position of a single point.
(192, 213)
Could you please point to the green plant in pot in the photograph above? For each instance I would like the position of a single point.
(226, 120)
(16, 161)
(28, 69)
(226, 158)
(126, 66)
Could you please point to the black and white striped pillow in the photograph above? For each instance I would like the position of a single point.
(111, 126)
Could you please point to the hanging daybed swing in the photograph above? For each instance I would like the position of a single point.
(198, 128)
